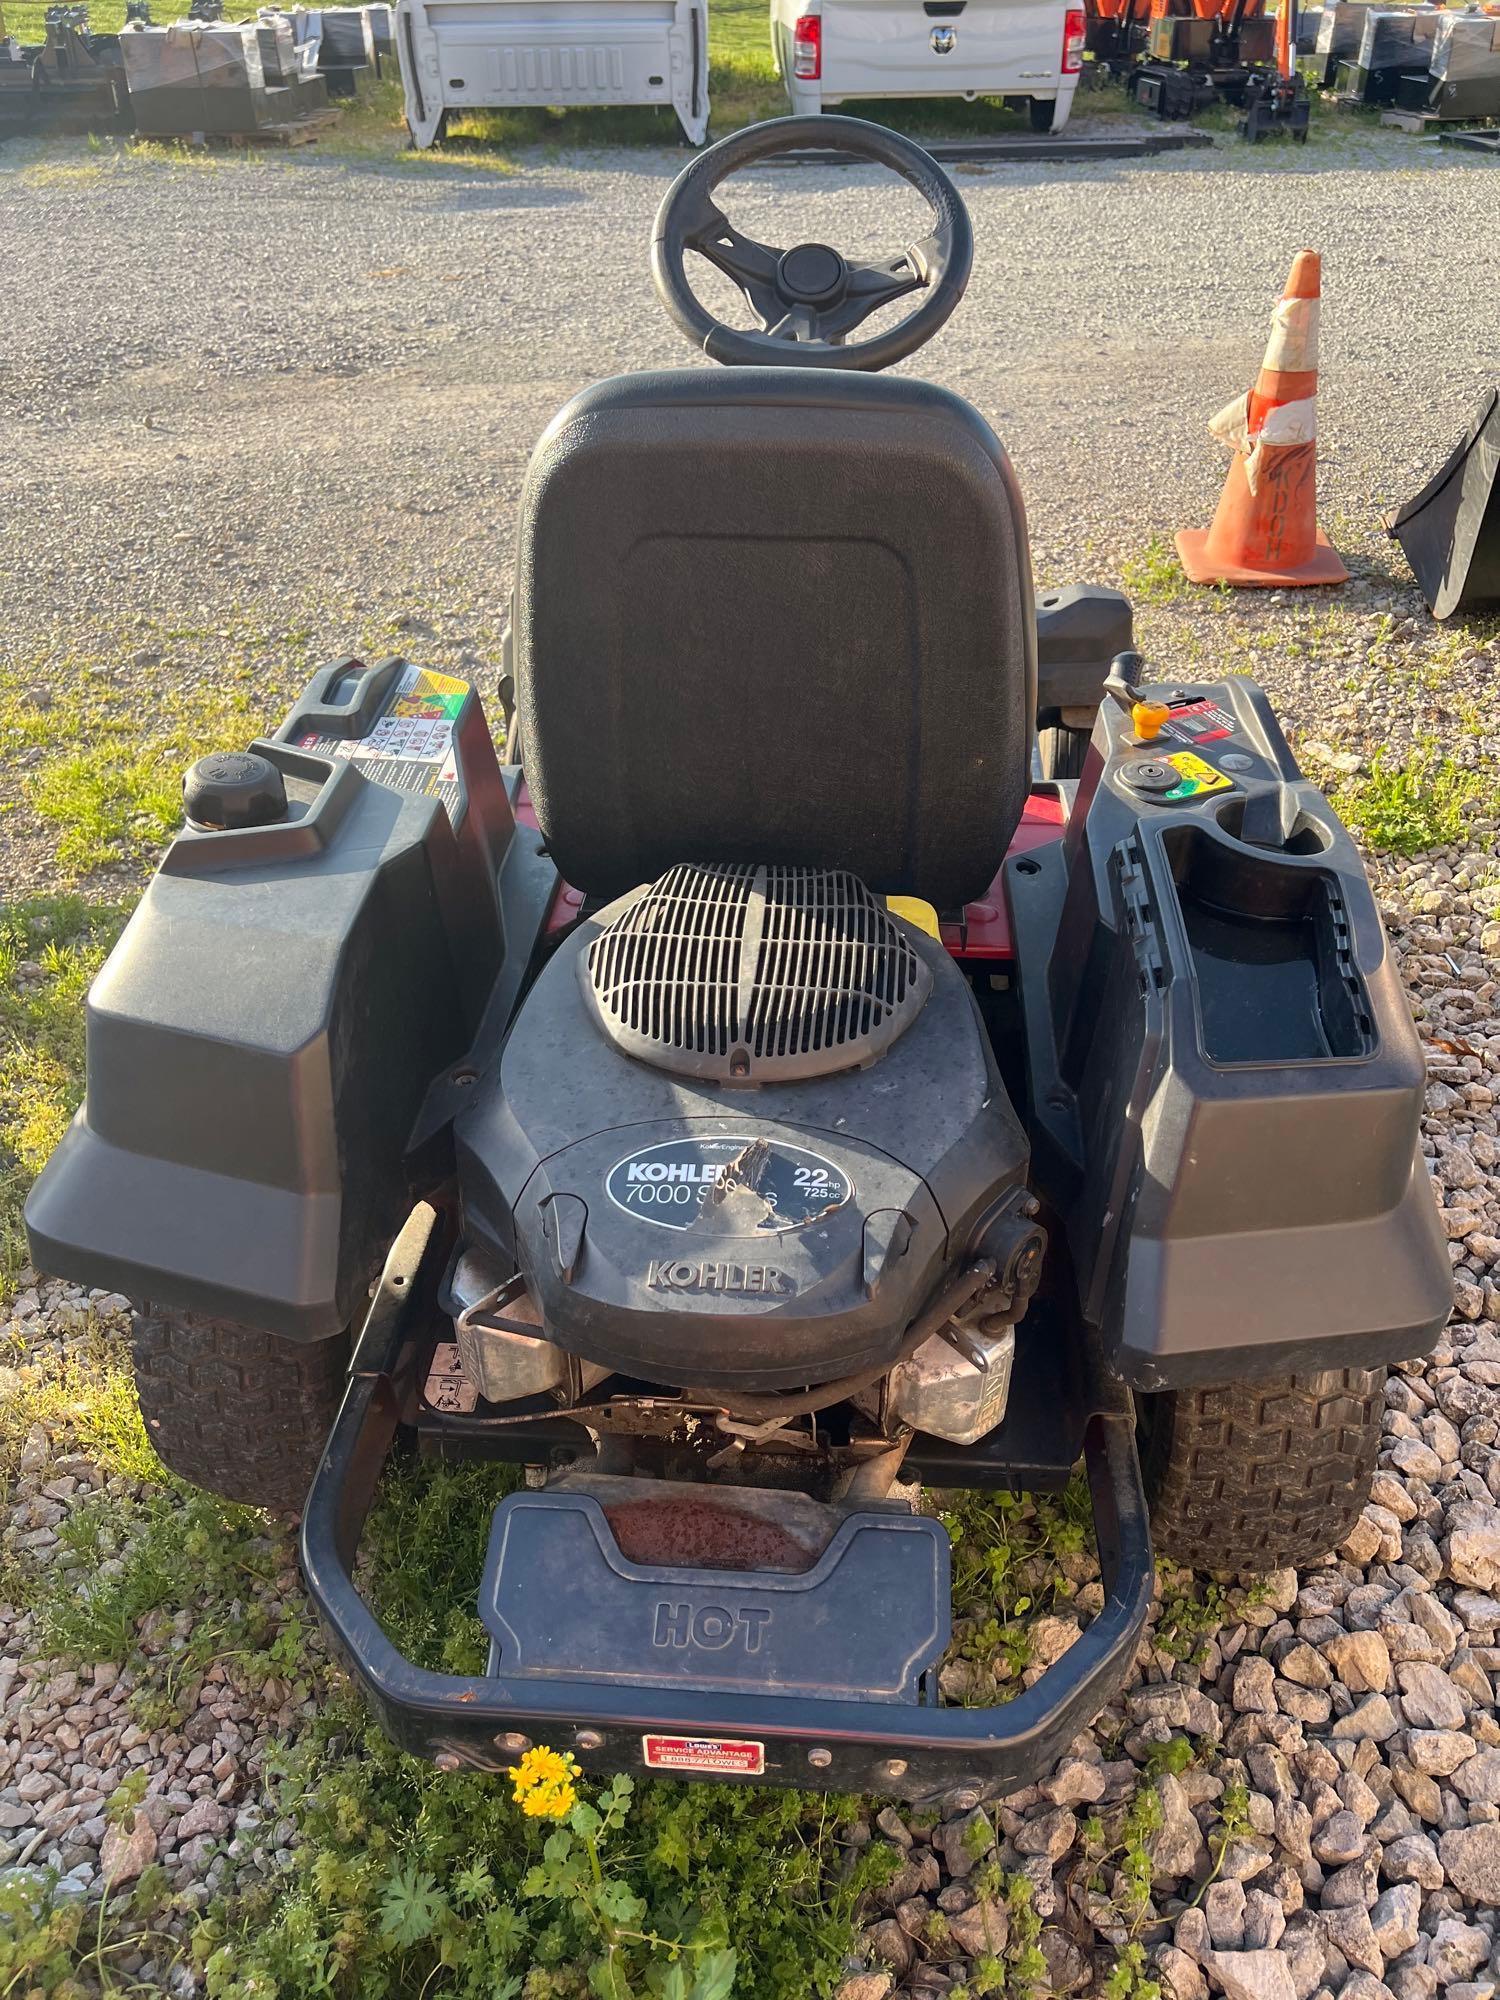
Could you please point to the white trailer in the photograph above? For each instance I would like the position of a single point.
(464, 55)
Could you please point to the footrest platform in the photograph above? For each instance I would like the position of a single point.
(863, 1621)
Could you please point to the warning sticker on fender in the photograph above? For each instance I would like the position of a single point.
(716, 1755)
(1200, 722)
(1194, 776)
(411, 746)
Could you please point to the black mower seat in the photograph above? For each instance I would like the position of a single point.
(775, 615)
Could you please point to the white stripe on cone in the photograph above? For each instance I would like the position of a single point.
(1284, 424)
(1294, 335)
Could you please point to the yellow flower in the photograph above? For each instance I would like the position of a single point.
(543, 1783)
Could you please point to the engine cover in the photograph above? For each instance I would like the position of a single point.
(693, 1233)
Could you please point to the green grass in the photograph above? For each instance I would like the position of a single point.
(1153, 576)
(50, 948)
(87, 1403)
(101, 762)
(1015, 1559)
(1411, 806)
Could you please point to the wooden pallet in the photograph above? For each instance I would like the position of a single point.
(296, 132)
(1429, 122)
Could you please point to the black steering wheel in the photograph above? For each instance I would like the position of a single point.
(809, 299)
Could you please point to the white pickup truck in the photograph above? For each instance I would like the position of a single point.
(1029, 51)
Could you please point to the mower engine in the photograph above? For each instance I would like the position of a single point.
(694, 1173)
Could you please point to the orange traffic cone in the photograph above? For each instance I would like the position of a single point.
(1266, 531)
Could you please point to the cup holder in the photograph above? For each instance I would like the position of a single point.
(1308, 836)
(1271, 956)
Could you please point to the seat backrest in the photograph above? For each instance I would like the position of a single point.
(775, 615)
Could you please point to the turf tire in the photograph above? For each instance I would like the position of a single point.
(1256, 1476)
(238, 1411)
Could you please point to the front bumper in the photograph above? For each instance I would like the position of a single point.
(951, 1757)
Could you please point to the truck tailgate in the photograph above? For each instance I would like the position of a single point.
(940, 47)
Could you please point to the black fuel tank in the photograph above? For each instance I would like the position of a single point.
(266, 1029)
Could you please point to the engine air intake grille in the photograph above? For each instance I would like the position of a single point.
(755, 974)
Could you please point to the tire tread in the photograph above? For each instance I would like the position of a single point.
(1255, 1476)
(238, 1411)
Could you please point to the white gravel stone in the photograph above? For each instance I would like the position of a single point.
(1361, 1661)
(1479, 1779)
(127, 1851)
(1457, 1949)
(1413, 1858)
(1471, 1859)
(1439, 1752)
(1473, 1544)
(1394, 1919)
(1429, 1699)
(1348, 1930)
(1251, 1975)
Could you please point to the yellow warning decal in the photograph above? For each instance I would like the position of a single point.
(1196, 776)
(426, 696)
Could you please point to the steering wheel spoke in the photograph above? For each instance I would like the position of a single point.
(750, 265)
(868, 287)
(808, 299)
(797, 323)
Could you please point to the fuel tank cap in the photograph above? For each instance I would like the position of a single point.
(233, 788)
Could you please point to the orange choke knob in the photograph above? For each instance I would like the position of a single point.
(1148, 719)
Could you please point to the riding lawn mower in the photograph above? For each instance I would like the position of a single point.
(767, 1088)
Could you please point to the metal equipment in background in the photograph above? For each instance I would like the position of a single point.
(73, 81)
(1395, 45)
(1462, 79)
(199, 76)
(1115, 33)
(346, 48)
(1276, 100)
(1341, 24)
(1177, 62)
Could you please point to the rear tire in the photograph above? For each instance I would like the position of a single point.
(1042, 110)
(1063, 752)
(238, 1411)
(1255, 1476)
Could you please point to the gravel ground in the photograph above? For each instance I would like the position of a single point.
(310, 401)
(313, 381)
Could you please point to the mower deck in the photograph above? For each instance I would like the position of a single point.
(653, 1667)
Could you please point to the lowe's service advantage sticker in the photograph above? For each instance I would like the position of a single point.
(728, 1756)
(741, 1186)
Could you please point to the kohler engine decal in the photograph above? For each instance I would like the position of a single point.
(681, 1274)
(740, 1186)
